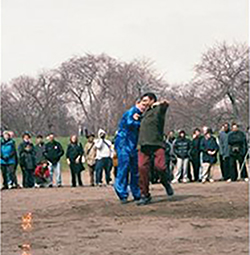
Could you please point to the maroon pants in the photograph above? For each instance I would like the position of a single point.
(144, 167)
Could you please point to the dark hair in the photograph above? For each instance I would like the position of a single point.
(152, 96)
(235, 124)
(39, 136)
(26, 133)
(209, 131)
(196, 129)
(72, 137)
(182, 132)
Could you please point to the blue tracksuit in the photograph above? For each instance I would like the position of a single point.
(126, 148)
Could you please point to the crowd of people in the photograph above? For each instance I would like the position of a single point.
(139, 153)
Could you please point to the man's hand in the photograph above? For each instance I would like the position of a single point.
(136, 116)
(161, 102)
(68, 161)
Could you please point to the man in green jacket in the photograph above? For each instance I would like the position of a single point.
(151, 142)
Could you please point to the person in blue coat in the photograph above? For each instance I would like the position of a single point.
(126, 149)
(7, 161)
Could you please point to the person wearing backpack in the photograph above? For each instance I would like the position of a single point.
(90, 157)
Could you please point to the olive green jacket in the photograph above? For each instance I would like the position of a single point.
(152, 126)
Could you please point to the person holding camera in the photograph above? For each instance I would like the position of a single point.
(103, 157)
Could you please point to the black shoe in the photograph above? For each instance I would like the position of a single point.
(144, 200)
(50, 186)
(169, 190)
(124, 201)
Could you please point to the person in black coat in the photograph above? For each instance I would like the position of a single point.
(28, 163)
(74, 156)
(182, 150)
(237, 150)
(53, 153)
(195, 153)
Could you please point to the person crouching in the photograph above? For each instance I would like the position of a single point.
(42, 175)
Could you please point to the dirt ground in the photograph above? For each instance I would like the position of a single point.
(198, 219)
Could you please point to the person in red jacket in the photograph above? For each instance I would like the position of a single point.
(42, 175)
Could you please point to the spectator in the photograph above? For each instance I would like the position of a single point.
(195, 153)
(39, 149)
(103, 157)
(28, 163)
(13, 177)
(53, 153)
(90, 157)
(42, 175)
(7, 162)
(173, 160)
(224, 151)
(209, 148)
(74, 156)
(237, 151)
(26, 140)
(182, 150)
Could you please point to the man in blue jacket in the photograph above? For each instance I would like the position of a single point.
(7, 162)
(127, 153)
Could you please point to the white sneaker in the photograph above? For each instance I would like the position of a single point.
(37, 185)
(203, 181)
(174, 181)
(246, 180)
(211, 180)
(185, 181)
(229, 180)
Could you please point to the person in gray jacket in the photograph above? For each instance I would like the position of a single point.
(224, 151)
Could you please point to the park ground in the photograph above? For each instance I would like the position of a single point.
(199, 219)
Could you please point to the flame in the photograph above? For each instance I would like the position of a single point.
(27, 221)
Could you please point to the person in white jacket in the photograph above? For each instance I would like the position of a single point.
(104, 153)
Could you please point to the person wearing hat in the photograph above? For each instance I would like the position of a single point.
(7, 161)
(104, 154)
(90, 157)
(209, 148)
(182, 146)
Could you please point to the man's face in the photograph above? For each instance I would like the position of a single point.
(147, 101)
(182, 135)
(6, 136)
(171, 134)
(208, 135)
(197, 133)
(204, 129)
(91, 139)
(142, 106)
(39, 140)
(226, 127)
(235, 128)
(26, 138)
(51, 137)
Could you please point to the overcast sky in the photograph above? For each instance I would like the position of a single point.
(40, 34)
